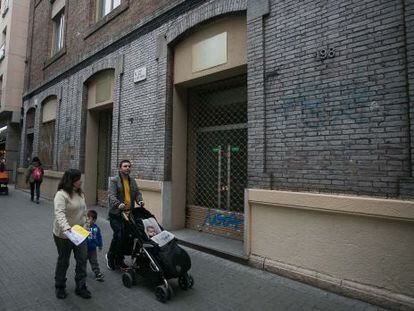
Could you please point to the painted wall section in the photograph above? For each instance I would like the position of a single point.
(49, 185)
(151, 192)
(101, 89)
(210, 52)
(49, 110)
(235, 29)
(366, 241)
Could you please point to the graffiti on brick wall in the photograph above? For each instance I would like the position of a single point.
(218, 219)
(229, 224)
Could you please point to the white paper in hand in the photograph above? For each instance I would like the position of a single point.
(77, 234)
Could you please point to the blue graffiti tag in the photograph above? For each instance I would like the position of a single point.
(222, 220)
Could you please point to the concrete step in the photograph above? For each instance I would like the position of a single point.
(213, 244)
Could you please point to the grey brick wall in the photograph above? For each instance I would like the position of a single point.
(340, 124)
(142, 113)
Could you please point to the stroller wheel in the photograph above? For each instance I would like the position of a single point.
(162, 294)
(190, 281)
(127, 279)
(170, 292)
(186, 281)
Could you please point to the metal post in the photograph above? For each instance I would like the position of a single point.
(219, 178)
(228, 175)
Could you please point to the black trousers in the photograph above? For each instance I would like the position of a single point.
(35, 185)
(116, 248)
(64, 248)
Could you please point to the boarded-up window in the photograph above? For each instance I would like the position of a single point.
(104, 88)
(100, 89)
(47, 133)
(30, 119)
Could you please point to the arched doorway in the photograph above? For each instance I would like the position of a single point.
(209, 157)
(47, 132)
(98, 136)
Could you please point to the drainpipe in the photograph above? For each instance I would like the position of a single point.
(120, 70)
(407, 86)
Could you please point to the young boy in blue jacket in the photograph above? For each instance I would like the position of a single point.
(94, 241)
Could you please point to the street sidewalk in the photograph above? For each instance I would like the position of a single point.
(28, 258)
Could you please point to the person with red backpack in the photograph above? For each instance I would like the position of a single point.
(34, 177)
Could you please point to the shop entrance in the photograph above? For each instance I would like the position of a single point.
(217, 157)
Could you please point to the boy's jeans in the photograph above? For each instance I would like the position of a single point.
(93, 260)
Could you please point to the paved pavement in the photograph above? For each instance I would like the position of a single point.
(28, 257)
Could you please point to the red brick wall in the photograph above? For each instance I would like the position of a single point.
(79, 20)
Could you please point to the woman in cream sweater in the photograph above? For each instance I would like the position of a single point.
(70, 210)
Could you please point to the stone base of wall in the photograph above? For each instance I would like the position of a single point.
(21, 179)
(49, 185)
(102, 197)
(356, 246)
(348, 288)
(214, 221)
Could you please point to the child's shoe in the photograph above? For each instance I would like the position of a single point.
(99, 276)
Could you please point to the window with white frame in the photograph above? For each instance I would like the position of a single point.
(58, 32)
(106, 6)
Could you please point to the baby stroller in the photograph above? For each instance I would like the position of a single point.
(4, 179)
(157, 258)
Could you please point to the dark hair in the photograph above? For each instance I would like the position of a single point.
(92, 213)
(68, 178)
(36, 159)
(124, 161)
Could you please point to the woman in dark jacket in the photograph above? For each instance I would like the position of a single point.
(34, 177)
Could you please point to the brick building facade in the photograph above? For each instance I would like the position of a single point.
(329, 89)
(338, 124)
